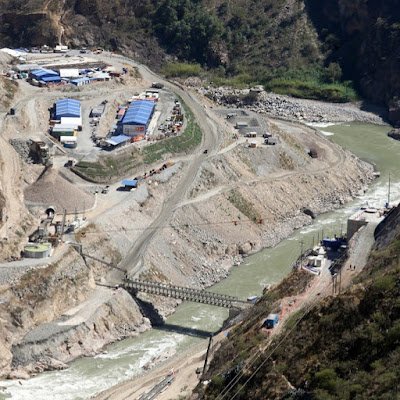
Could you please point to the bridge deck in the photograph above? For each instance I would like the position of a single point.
(184, 293)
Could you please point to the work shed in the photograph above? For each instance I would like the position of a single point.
(45, 75)
(137, 118)
(119, 140)
(80, 81)
(129, 184)
(271, 321)
(69, 73)
(68, 108)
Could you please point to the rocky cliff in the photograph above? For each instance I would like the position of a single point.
(363, 36)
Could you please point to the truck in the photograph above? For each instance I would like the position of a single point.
(157, 85)
(40, 151)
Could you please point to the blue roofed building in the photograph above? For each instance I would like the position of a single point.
(118, 140)
(137, 117)
(45, 75)
(68, 108)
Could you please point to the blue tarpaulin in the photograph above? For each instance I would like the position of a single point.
(130, 182)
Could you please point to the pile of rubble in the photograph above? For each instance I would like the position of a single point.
(22, 147)
(288, 107)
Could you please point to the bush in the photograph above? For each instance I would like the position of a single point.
(181, 70)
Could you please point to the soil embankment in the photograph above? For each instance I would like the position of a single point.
(248, 199)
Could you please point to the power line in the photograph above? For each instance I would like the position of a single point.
(257, 355)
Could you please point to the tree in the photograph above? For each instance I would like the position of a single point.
(333, 72)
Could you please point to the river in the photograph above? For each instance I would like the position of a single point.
(125, 359)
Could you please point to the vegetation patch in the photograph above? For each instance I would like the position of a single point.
(109, 168)
(244, 206)
(181, 70)
(347, 347)
(187, 141)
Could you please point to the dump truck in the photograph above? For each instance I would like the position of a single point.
(40, 152)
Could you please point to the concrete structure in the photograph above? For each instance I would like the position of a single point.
(137, 118)
(355, 222)
(184, 293)
(37, 250)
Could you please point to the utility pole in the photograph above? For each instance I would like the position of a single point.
(63, 225)
(208, 350)
(301, 251)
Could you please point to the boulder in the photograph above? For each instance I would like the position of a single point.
(395, 134)
(394, 112)
(245, 248)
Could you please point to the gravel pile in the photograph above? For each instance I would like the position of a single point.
(52, 189)
(22, 147)
(291, 108)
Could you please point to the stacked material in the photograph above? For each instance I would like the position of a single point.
(53, 189)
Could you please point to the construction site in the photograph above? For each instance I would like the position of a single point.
(157, 186)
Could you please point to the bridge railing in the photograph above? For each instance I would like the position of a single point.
(184, 293)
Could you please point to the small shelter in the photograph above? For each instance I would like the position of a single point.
(271, 321)
(129, 184)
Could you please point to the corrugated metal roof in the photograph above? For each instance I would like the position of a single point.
(130, 182)
(54, 78)
(139, 112)
(68, 108)
(80, 80)
(115, 140)
(42, 72)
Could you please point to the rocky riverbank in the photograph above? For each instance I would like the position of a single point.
(249, 199)
(286, 107)
(241, 201)
(394, 134)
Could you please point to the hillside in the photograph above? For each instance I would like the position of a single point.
(348, 347)
(281, 43)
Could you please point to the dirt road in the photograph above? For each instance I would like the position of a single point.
(133, 260)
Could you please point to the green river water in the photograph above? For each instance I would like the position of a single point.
(125, 359)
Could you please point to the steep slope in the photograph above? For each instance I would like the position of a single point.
(256, 39)
(348, 347)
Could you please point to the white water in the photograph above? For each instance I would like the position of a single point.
(88, 376)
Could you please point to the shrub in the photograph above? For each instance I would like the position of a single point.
(181, 70)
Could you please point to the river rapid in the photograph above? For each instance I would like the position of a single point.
(126, 359)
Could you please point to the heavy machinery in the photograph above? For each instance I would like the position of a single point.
(40, 152)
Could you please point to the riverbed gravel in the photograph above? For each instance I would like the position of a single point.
(294, 109)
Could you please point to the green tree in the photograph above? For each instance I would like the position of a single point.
(333, 73)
